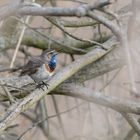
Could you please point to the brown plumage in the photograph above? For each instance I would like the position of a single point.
(32, 66)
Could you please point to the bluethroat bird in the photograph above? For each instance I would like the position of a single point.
(41, 68)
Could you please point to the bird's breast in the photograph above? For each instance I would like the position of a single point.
(42, 74)
(48, 68)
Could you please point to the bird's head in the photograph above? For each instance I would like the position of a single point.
(47, 54)
(53, 61)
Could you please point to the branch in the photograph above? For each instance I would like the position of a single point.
(67, 45)
(79, 23)
(114, 28)
(38, 40)
(88, 94)
(109, 62)
(56, 80)
(133, 122)
(122, 106)
(81, 11)
(60, 11)
(24, 9)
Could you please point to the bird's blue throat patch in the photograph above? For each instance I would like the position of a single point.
(52, 63)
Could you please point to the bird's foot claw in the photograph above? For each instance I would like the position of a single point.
(41, 85)
(45, 84)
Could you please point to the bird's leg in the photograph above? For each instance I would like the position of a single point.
(45, 84)
(41, 85)
(38, 85)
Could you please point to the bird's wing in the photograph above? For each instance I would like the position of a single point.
(32, 66)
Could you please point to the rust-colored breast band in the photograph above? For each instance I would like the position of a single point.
(47, 68)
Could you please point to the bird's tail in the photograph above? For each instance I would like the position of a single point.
(11, 69)
(16, 69)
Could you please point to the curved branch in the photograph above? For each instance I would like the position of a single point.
(132, 121)
(114, 28)
(120, 105)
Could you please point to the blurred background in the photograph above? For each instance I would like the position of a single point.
(68, 118)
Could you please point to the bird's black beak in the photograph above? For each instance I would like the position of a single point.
(51, 52)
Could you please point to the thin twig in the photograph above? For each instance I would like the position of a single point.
(49, 117)
(54, 40)
(58, 24)
(112, 78)
(10, 97)
(5, 85)
(19, 42)
(43, 116)
(113, 27)
(59, 117)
